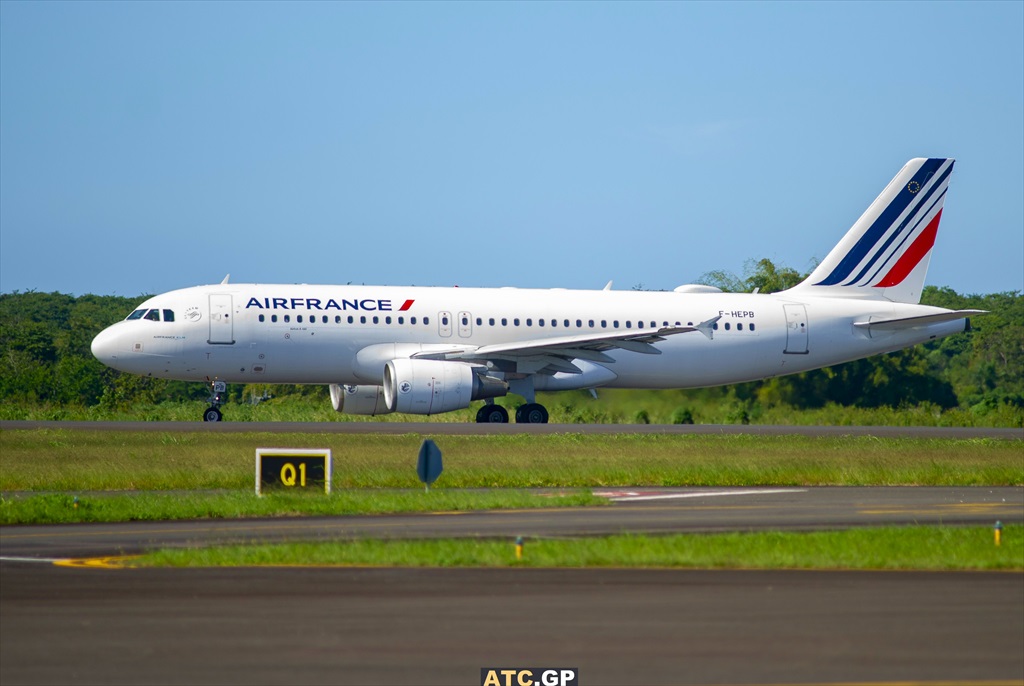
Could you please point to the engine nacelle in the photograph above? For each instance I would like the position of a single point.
(434, 386)
(358, 399)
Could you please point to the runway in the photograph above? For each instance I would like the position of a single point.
(466, 429)
(441, 626)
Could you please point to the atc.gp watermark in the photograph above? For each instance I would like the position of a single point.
(530, 676)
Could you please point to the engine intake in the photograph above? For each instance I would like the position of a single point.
(433, 386)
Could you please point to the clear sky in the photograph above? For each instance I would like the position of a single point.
(147, 146)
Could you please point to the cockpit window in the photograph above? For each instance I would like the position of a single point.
(137, 314)
(153, 315)
(168, 315)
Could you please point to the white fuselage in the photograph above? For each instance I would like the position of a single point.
(307, 334)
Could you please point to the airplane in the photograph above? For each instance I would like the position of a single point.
(428, 350)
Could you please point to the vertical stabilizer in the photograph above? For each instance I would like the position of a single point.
(886, 252)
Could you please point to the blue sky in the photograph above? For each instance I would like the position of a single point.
(152, 146)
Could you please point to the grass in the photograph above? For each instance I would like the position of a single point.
(80, 476)
(78, 461)
(62, 508)
(615, 406)
(919, 548)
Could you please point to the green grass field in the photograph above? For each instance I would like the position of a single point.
(78, 476)
(74, 461)
(932, 548)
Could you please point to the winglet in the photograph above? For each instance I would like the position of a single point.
(707, 327)
(607, 286)
(228, 276)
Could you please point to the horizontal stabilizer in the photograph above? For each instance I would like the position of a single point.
(913, 322)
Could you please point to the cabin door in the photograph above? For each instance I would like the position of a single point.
(222, 325)
(796, 330)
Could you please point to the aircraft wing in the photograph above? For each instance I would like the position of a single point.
(911, 322)
(550, 355)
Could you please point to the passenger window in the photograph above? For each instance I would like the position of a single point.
(153, 315)
(287, 318)
(739, 327)
(426, 321)
(579, 323)
(491, 321)
(444, 321)
(727, 327)
(554, 323)
(401, 320)
(715, 326)
(604, 323)
(412, 320)
(465, 321)
(479, 321)
(298, 318)
(504, 321)
(591, 323)
(168, 315)
(262, 317)
(629, 324)
(376, 319)
(516, 321)
(615, 324)
(387, 320)
(337, 319)
(751, 326)
(540, 322)
(529, 321)
(350, 319)
(362, 319)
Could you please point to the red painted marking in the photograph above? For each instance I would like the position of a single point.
(406, 305)
(912, 256)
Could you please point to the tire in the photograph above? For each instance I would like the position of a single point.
(492, 414)
(212, 414)
(532, 413)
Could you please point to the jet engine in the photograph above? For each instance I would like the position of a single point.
(358, 399)
(434, 386)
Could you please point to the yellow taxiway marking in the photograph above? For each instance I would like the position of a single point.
(114, 562)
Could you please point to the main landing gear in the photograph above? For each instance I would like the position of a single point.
(530, 413)
(216, 399)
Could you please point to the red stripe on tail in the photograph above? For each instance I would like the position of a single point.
(912, 256)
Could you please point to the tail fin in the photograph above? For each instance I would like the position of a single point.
(886, 252)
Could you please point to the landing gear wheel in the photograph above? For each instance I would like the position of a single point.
(531, 413)
(212, 414)
(492, 414)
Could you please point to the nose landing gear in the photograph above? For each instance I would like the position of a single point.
(216, 399)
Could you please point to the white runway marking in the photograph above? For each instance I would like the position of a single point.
(48, 560)
(627, 497)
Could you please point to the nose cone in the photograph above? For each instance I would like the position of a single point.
(105, 348)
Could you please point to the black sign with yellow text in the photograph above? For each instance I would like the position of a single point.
(286, 468)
